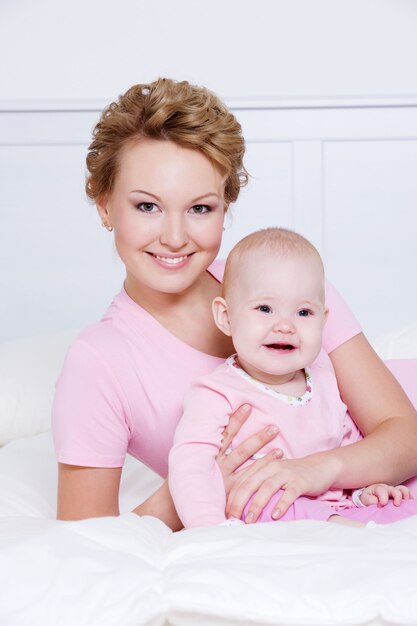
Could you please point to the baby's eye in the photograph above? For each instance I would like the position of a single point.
(304, 313)
(199, 209)
(147, 207)
(264, 308)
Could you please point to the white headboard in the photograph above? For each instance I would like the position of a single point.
(343, 173)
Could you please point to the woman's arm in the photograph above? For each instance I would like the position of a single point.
(94, 492)
(87, 491)
(161, 505)
(383, 413)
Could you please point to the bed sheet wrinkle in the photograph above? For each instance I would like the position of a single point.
(69, 577)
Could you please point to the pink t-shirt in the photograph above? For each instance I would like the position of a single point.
(314, 422)
(122, 385)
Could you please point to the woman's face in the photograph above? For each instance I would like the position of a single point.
(167, 208)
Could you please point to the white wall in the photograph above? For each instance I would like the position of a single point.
(249, 48)
(343, 176)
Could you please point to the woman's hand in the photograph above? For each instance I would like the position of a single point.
(267, 475)
(230, 460)
(308, 476)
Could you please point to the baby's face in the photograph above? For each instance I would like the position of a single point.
(277, 312)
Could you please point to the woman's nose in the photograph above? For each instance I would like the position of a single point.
(174, 233)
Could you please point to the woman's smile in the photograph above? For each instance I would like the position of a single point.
(171, 262)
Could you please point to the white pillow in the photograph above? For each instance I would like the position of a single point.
(398, 344)
(28, 372)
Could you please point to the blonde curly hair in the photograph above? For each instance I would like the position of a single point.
(190, 116)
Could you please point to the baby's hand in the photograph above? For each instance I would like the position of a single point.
(380, 494)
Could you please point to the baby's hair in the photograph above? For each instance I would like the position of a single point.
(279, 241)
(190, 116)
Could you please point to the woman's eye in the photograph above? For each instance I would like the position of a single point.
(264, 308)
(304, 313)
(147, 207)
(198, 209)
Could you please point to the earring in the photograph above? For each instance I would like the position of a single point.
(224, 228)
(107, 227)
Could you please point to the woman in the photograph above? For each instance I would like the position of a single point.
(164, 166)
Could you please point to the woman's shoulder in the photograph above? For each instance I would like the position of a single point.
(123, 321)
(341, 324)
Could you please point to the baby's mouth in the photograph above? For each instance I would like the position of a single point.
(282, 347)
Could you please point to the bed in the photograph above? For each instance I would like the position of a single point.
(131, 571)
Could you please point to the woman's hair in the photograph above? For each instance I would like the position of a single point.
(188, 115)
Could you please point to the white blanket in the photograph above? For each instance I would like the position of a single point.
(132, 571)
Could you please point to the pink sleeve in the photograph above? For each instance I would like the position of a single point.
(341, 324)
(195, 480)
(89, 415)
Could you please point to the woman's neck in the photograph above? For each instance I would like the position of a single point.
(158, 302)
(186, 315)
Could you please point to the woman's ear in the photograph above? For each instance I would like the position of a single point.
(221, 315)
(103, 212)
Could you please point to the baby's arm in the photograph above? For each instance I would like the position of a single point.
(195, 481)
(380, 494)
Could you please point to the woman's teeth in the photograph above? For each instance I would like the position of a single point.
(171, 260)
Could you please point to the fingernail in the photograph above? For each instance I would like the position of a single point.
(249, 518)
(245, 408)
(272, 430)
(276, 514)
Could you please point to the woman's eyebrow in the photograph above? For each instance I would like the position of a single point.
(204, 195)
(147, 193)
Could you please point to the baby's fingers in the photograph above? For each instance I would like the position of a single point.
(383, 494)
(367, 498)
(401, 492)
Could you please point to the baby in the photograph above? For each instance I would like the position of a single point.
(274, 309)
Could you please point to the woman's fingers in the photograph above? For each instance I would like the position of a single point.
(236, 422)
(248, 481)
(230, 460)
(295, 477)
(289, 496)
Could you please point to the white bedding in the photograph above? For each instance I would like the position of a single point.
(131, 571)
